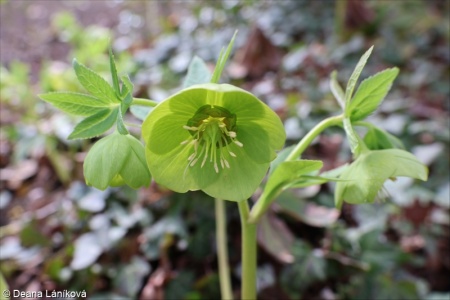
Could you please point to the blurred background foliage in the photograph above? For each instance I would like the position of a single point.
(56, 233)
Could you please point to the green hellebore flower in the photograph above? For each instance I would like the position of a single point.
(116, 160)
(212, 137)
(364, 178)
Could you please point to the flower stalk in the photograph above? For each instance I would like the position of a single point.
(307, 139)
(222, 250)
(249, 254)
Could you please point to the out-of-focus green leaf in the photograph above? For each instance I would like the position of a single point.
(198, 73)
(336, 89)
(140, 112)
(276, 238)
(223, 57)
(114, 77)
(307, 212)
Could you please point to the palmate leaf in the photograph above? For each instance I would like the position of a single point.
(95, 84)
(95, 125)
(370, 93)
(75, 103)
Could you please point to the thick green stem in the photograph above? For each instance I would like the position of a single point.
(144, 102)
(307, 139)
(222, 250)
(248, 284)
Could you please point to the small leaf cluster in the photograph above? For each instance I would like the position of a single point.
(379, 156)
(118, 158)
(104, 107)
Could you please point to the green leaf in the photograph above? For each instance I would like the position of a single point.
(127, 85)
(306, 211)
(370, 93)
(336, 89)
(354, 78)
(198, 73)
(94, 83)
(126, 102)
(75, 103)
(140, 112)
(223, 57)
(276, 238)
(378, 139)
(286, 173)
(115, 78)
(351, 136)
(95, 125)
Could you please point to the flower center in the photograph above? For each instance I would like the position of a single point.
(212, 129)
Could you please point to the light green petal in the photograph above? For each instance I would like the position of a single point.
(240, 181)
(104, 160)
(255, 141)
(170, 170)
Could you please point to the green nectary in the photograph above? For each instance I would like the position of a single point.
(212, 137)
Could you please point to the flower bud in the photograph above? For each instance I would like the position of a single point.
(116, 160)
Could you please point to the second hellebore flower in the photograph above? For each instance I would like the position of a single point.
(212, 137)
(364, 178)
(116, 160)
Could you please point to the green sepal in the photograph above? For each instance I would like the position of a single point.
(286, 174)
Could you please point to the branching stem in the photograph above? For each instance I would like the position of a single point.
(307, 139)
